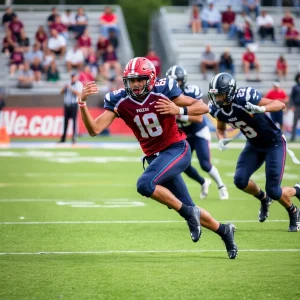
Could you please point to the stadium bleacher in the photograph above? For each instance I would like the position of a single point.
(186, 48)
(41, 13)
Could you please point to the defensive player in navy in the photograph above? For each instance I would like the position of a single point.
(244, 108)
(148, 105)
(198, 136)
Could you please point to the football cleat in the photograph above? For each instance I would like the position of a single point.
(295, 221)
(264, 209)
(205, 188)
(223, 193)
(194, 224)
(228, 239)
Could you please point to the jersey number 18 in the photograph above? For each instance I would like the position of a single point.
(151, 123)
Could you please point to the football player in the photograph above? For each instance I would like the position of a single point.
(148, 105)
(244, 108)
(198, 136)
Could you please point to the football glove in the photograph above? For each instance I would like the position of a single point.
(222, 144)
(255, 109)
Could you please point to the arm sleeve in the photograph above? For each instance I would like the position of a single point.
(171, 89)
(109, 104)
(253, 96)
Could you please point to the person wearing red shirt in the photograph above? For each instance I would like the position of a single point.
(41, 37)
(86, 75)
(250, 62)
(16, 26)
(108, 21)
(292, 38)
(276, 93)
(286, 21)
(281, 67)
(60, 27)
(85, 43)
(151, 55)
(101, 47)
(228, 18)
(195, 20)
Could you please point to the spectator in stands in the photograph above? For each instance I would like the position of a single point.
(292, 38)
(52, 72)
(239, 24)
(228, 18)
(250, 6)
(71, 92)
(68, 19)
(281, 67)
(195, 20)
(154, 58)
(57, 43)
(37, 68)
(86, 75)
(7, 17)
(110, 61)
(295, 103)
(226, 63)
(265, 25)
(34, 54)
(113, 39)
(8, 43)
(74, 58)
(199, 3)
(250, 62)
(24, 41)
(211, 17)
(286, 21)
(108, 21)
(16, 27)
(48, 58)
(245, 35)
(92, 63)
(85, 43)
(60, 27)
(41, 37)
(25, 77)
(208, 61)
(102, 44)
(81, 22)
(51, 18)
(276, 93)
(16, 60)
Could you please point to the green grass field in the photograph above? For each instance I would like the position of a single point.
(72, 226)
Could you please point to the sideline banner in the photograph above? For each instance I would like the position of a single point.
(48, 122)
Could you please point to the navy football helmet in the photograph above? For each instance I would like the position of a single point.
(179, 74)
(222, 84)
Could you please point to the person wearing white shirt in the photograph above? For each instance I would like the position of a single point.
(265, 25)
(74, 58)
(211, 17)
(68, 19)
(57, 43)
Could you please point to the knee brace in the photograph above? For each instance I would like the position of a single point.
(144, 186)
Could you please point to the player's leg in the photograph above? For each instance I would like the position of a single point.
(193, 173)
(66, 122)
(275, 162)
(225, 231)
(249, 161)
(167, 165)
(203, 154)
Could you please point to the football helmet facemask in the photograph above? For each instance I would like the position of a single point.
(179, 74)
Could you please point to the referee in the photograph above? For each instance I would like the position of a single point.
(71, 93)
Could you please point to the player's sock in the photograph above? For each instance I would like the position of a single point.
(193, 173)
(215, 175)
(261, 195)
(185, 211)
(291, 209)
(297, 188)
(221, 230)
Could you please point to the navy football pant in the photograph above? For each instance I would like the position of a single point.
(165, 169)
(201, 146)
(252, 158)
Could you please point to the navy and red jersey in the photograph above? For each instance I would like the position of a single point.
(154, 131)
(259, 129)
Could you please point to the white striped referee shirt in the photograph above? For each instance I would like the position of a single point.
(69, 97)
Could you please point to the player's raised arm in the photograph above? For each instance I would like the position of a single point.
(94, 127)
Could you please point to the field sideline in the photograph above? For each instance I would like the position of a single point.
(72, 226)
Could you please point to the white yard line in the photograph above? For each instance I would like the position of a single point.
(143, 251)
(128, 222)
